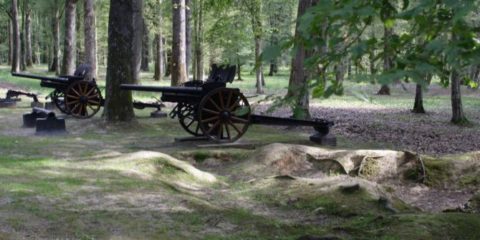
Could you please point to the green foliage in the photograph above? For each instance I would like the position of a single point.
(437, 36)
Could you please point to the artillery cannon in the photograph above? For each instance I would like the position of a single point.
(13, 95)
(73, 95)
(11, 98)
(212, 110)
(76, 95)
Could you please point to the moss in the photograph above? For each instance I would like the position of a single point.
(412, 174)
(166, 169)
(437, 226)
(369, 167)
(200, 156)
(333, 202)
(438, 172)
(470, 180)
(411, 226)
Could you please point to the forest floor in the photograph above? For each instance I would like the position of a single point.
(134, 181)
(362, 118)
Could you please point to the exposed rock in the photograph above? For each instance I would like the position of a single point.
(305, 161)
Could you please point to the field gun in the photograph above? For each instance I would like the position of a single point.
(212, 110)
(73, 95)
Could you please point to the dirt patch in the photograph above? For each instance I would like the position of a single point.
(305, 161)
(10, 86)
(400, 173)
(130, 201)
(394, 127)
(432, 199)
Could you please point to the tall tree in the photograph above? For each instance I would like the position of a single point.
(159, 56)
(56, 16)
(198, 64)
(137, 38)
(10, 41)
(387, 50)
(188, 34)
(298, 84)
(36, 41)
(159, 62)
(387, 60)
(90, 37)
(280, 17)
(13, 13)
(179, 55)
(145, 47)
(254, 8)
(69, 46)
(27, 11)
(80, 37)
(458, 116)
(121, 51)
(418, 105)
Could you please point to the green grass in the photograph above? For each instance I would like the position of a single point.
(65, 186)
(278, 84)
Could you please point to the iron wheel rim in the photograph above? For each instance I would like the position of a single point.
(83, 99)
(224, 115)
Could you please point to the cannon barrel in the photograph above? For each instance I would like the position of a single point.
(52, 79)
(47, 113)
(142, 105)
(13, 93)
(278, 121)
(178, 90)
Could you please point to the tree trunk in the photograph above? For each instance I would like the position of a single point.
(298, 87)
(418, 106)
(70, 43)
(179, 61)
(188, 35)
(274, 20)
(387, 58)
(28, 35)
(23, 65)
(159, 69)
(36, 53)
(10, 42)
(384, 90)
(198, 51)
(458, 116)
(159, 48)
(349, 67)
(137, 38)
(122, 25)
(80, 43)
(239, 72)
(273, 68)
(340, 72)
(168, 63)
(255, 11)
(90, 37)
(145, 47)
(16, 37)
(54, 67)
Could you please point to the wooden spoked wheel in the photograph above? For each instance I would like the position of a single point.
(224, 114)
(83, 99)
(189, 119)
(58, 98)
